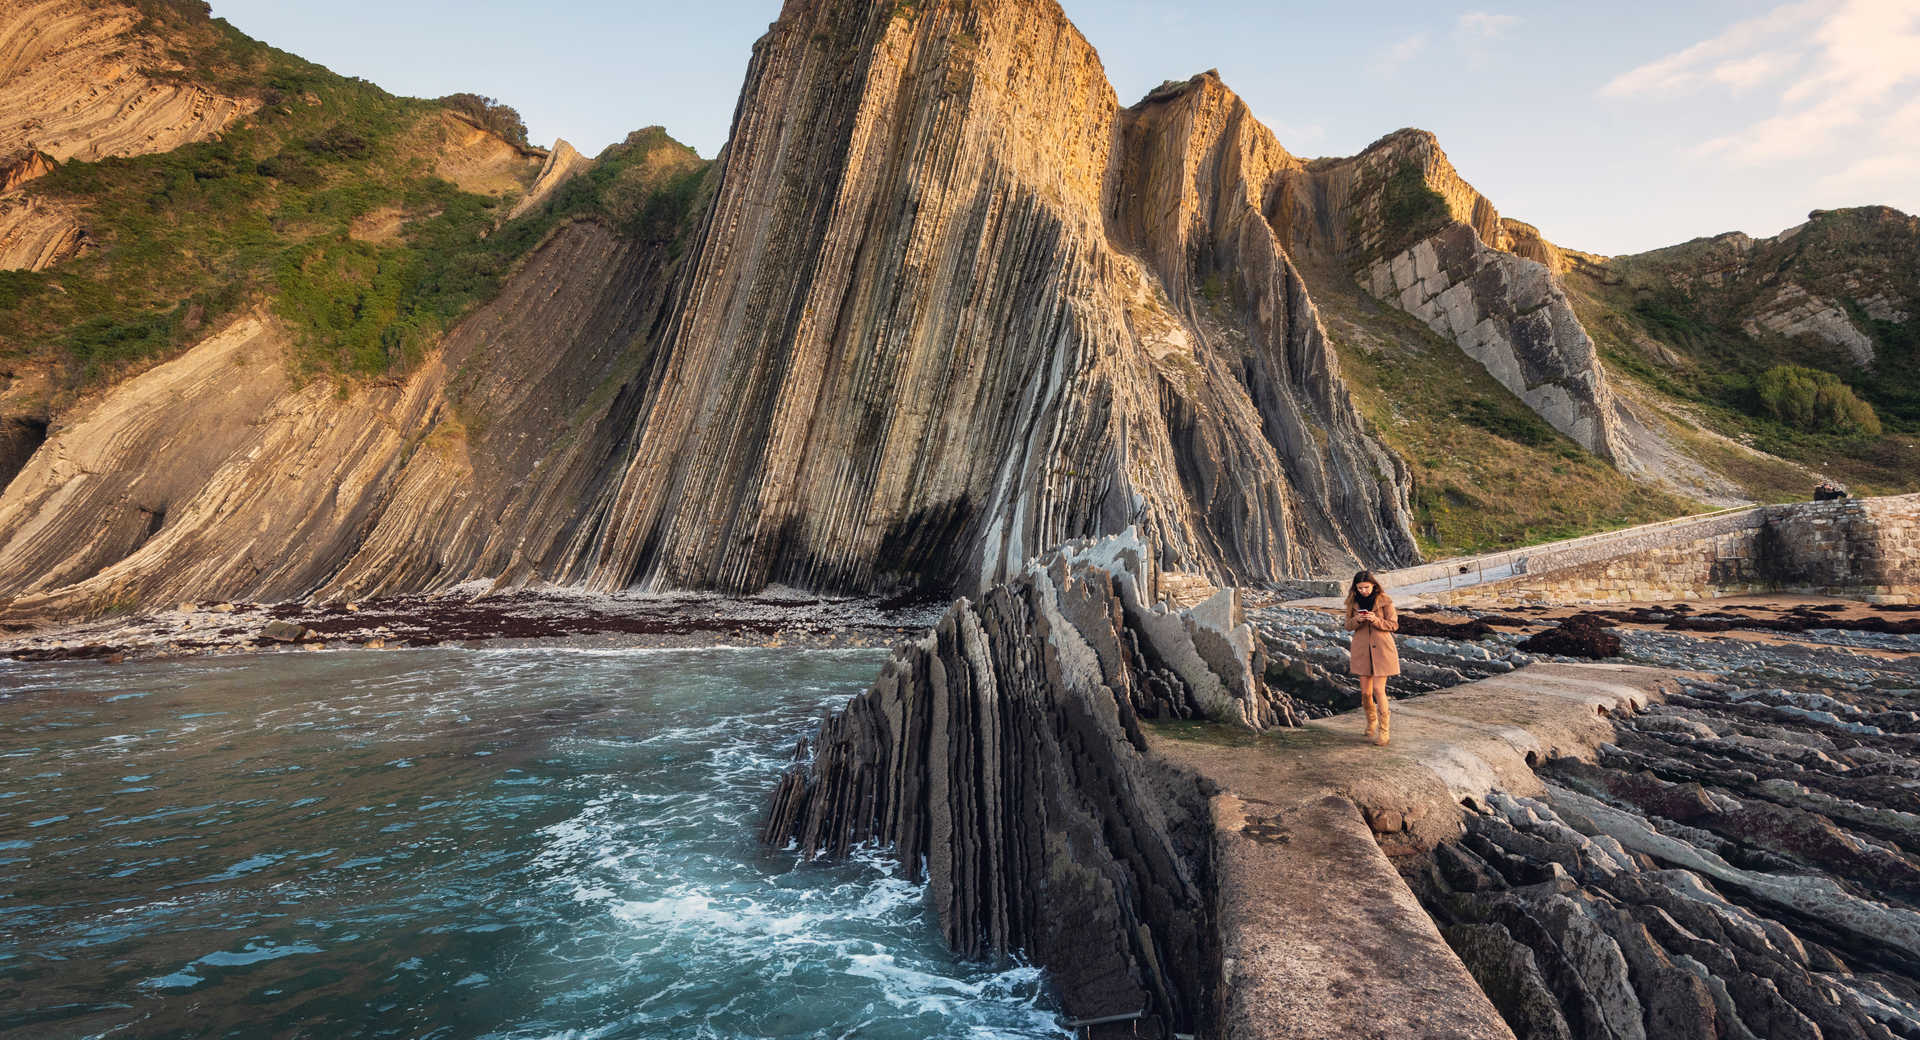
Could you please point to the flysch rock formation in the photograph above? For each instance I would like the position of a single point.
(1739, 862)
(37, 233)
(77, 82)
(1001, 757)
(217, 475)
(1507, 313)
(952, 326)
(1487, 283)
(918, 347)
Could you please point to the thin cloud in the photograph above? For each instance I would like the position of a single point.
(1484, 25)
(1390, 60)
(1834, 70)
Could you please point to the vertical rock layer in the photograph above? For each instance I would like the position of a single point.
(942, 307)
(1001, 756)
(915, 349)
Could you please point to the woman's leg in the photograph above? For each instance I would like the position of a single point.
(1366, 701)
(1384, 707)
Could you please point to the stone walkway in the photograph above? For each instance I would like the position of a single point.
(1320, 935)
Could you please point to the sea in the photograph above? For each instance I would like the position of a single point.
(440, 843)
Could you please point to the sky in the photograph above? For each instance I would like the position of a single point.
(1614, 128)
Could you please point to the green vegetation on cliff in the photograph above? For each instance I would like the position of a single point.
(1683, 322)
(1488, 473)
(335, 203)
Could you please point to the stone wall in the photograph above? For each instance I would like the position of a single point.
(1865, 547)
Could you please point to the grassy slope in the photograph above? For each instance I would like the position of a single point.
(192, 236)
(1488, 473)
(1684, 342)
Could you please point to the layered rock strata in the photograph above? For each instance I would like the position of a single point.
(1489, 284)
(911, 352)
(1001, 756)
(37, 233)
(216, 475)
(1742, 859)
(77, 81)
(1511, 315)
(962, 319)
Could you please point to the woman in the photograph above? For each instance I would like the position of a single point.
(1372, 620)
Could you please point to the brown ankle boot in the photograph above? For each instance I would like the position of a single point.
(1386, 725)
(1373, 716)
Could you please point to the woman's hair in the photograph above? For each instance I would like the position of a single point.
(1353, 590)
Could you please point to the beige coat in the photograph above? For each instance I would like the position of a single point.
(1373, 652)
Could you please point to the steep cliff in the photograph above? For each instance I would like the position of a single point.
(1000, 756)
(1425, 241)
(911, 352)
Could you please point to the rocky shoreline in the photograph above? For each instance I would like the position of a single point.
(557, 617)
(1742, 860)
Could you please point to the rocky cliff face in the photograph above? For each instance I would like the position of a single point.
(217, 474)
(913, 352)
(78, 81)
(976, 312)
(1001, 756)
(1425, 241)
(1837, 287)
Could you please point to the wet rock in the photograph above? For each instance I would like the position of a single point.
(285, 632)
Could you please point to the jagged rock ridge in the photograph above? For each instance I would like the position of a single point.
(1003, 752)
(911, 352)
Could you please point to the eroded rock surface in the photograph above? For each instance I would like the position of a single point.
(1510, 314)
(77, 81)
(975, 311)
(913, 353)
(1001, 755)
(36, 233)
(1740, 861)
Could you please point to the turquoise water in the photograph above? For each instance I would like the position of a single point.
(449, 843)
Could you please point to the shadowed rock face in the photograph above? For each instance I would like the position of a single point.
(1002, 755)
(944, 307)
(958, 321)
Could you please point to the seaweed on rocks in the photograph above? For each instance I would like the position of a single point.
(1582, 635)
(1001, 757)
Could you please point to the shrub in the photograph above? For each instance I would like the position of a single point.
(288, 169)
(1409, 207)
(341, 142)
(1813, 400)
(499, 118)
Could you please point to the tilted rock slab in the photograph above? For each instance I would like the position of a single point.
(1487, 283)
(941, 309)
(940, 320)
(74, 84)
(1001, 756)
(1512, 316)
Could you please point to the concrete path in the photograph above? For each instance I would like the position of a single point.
(1321, 936)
